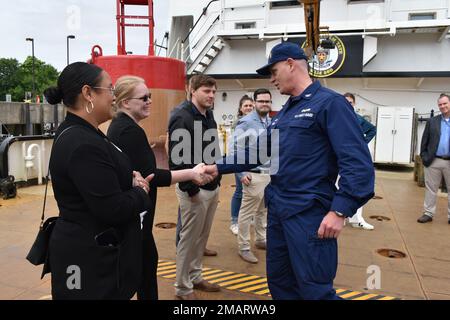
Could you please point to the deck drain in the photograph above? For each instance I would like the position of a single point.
(391, 253)
(380, 218)
(166, 225)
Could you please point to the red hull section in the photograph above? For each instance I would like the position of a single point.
(158, 72)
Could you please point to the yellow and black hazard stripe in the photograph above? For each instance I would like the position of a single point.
(356, 295)
(252, 284)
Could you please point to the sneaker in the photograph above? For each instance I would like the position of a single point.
(424, 219)
(260, 245)
(234, 228)
(248, 256)
(363, 225)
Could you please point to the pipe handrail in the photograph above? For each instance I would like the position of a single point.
(186, 49)
(197, 36)
(195, 24)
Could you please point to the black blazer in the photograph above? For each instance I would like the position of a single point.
(92, 183)
(132, 140)
(185, 118)
(430, 140)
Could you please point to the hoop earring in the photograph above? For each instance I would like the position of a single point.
(92, 107)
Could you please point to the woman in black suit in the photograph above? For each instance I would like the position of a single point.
(133, 101)
(95, 247)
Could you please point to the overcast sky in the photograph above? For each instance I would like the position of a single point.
(91, 21)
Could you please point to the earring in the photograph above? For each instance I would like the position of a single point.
(87, 107)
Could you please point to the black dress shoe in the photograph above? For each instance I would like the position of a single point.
(424, 219)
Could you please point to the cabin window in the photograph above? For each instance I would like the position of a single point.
(245, 25)
(422, 16)
(284, 4)
(363, 1)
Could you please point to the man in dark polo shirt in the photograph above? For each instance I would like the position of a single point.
(193, 139)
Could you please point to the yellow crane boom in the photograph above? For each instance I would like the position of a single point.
(312, 23)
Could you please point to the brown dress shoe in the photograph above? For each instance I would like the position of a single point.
(189, 296)
(260, 245)
(425, 219)
(209, 253)
(207, 286)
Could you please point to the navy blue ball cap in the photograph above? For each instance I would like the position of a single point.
(282, 52)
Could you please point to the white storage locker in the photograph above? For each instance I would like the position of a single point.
(394, 140)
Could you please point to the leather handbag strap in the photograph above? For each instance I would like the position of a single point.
(48, 174)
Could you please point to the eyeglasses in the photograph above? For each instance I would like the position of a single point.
(111, 89)
(145, 98)
(264, 101)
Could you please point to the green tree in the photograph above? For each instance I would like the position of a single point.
(45, 75)
(9, 76)
(17, 81)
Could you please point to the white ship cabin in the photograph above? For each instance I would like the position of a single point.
(394, 55)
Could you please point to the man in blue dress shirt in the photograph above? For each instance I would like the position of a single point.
(435, 154)
(318, 138)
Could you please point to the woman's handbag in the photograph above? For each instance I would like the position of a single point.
(39, 250)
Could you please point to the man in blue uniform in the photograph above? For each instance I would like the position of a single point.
(319, 138)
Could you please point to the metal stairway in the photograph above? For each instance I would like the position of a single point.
(201, 63)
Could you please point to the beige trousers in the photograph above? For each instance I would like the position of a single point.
(433, 176)
(196, 221)
(253, 206)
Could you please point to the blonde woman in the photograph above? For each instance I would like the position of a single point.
(133, 101)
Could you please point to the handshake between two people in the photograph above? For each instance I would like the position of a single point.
(203, 174)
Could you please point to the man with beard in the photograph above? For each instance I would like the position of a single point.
(255, 181)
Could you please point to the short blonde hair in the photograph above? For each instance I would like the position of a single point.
(124, 88)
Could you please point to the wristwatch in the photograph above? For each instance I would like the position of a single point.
(339, 214)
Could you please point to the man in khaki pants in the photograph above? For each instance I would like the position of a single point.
(194, 139)
(435, 154)
(255, 181)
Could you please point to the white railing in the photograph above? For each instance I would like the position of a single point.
(197, 48)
